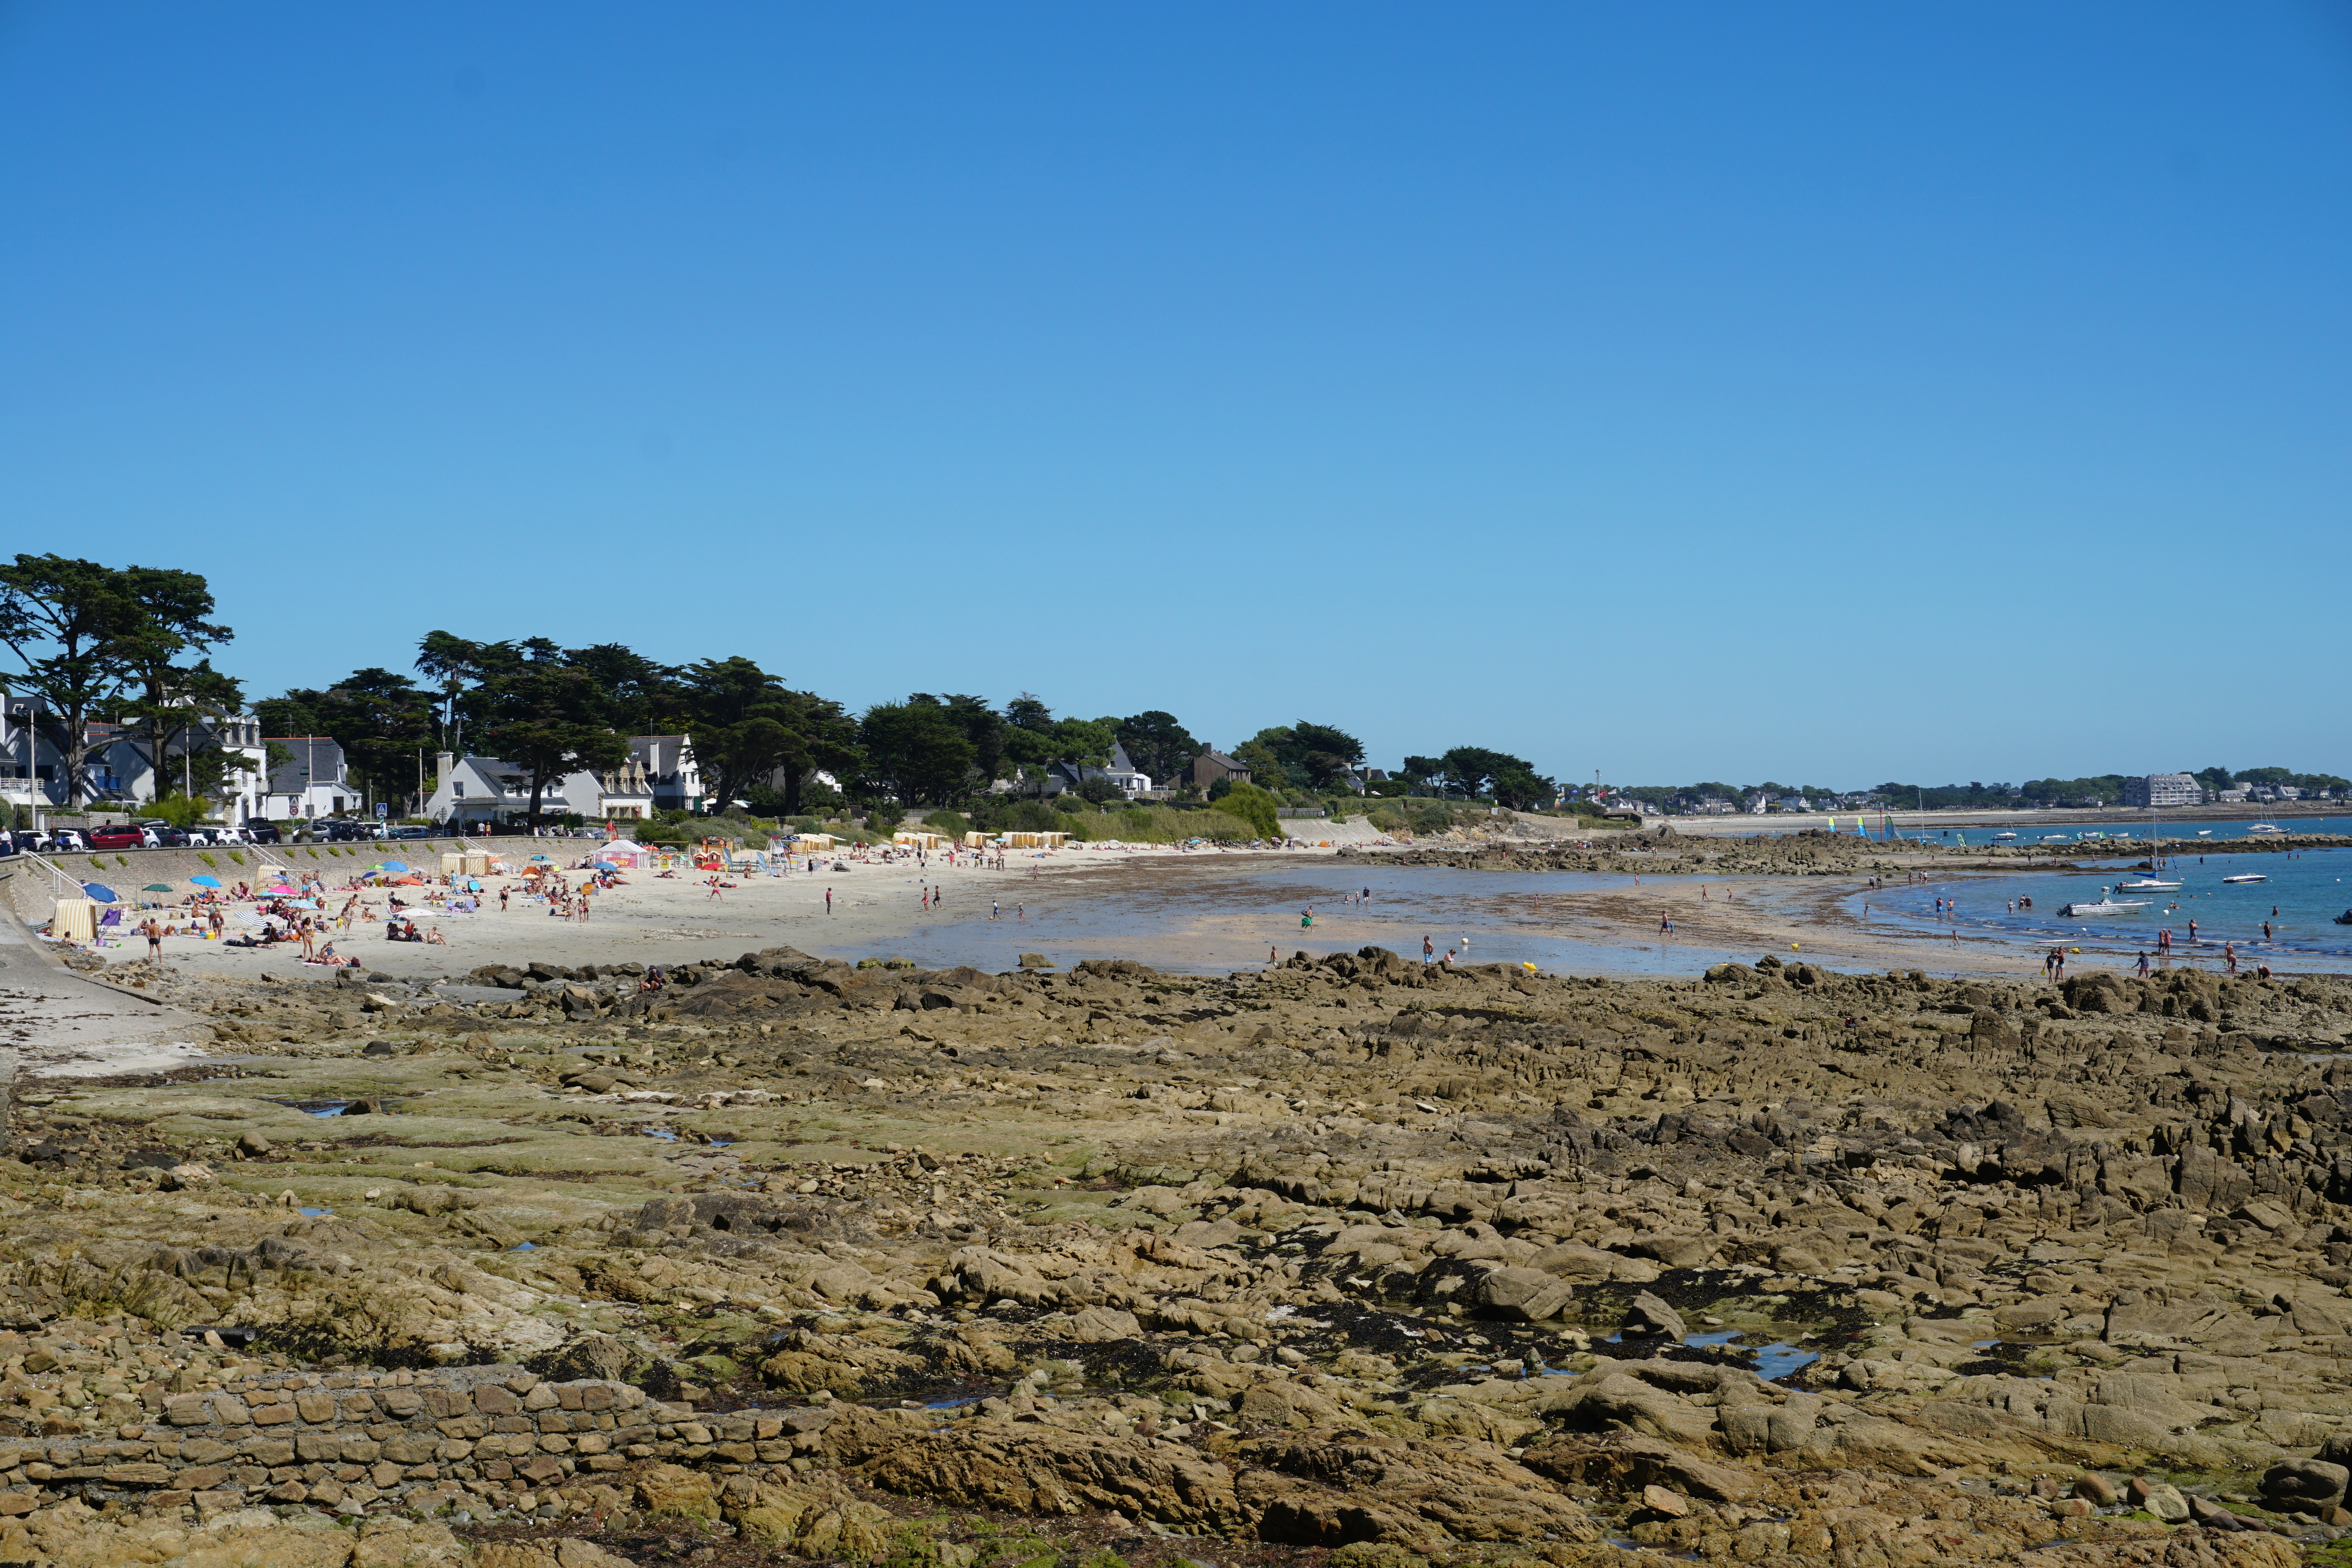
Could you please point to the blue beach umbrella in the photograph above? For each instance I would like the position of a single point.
(205, 880)
(100, 891)
(395, 865)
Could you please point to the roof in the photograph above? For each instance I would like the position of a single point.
(311, 759)
(1229, 763)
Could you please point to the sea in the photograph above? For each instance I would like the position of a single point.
(2303, 892)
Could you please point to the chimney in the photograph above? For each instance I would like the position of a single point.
(441, 762)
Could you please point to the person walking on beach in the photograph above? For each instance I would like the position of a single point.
(2143, 966)
(828, 901)
(1428, 949)
(2229, 956)
(993, 909)
(154, 934)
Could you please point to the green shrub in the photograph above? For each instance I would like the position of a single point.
(180, 810)
(1156, 824)
(954, 824)
(236, 857)
(207, 856)
(1253, 806)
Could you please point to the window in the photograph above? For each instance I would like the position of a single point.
(457, 788)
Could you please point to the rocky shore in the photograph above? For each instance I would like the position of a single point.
(1346, 1258)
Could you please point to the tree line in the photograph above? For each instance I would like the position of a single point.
(133, 645)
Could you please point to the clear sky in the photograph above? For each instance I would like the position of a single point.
(1822, 392)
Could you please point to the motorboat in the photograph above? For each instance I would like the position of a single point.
(2004, 838)
(2103, 907)
(2247, 876)
(2148, 884)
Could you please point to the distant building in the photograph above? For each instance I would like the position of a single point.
(1125, 778)
(2231, 797)
(474, 790)
(670, 770)
(2163, 789)
(314, 781)
(1213, 765)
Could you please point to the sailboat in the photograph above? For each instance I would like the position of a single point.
(2151, 883)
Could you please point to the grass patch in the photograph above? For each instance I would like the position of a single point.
(207, 856)
(236, 857)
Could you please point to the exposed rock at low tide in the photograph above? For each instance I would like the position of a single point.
(793, 1257)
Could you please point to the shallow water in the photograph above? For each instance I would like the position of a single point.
(2307, 889)
(1199, 915)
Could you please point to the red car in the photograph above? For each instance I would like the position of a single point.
(120, 838)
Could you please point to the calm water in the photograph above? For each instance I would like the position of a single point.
(1202, 917)
(2170, 831)
(2307, 889)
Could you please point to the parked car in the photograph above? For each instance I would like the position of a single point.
(67, 840)
(164, 835)
(260, 832)
(337, 830)
(120, 837)
(414, 832)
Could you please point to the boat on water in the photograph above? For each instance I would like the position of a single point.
(2004, 838)
(2247, 876)
(2148, 884)
(2344, 918)
(2103, 907)
(2264, 829)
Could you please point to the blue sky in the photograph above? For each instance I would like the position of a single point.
(1830, 393)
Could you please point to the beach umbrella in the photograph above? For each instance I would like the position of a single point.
(539, 857)
(100, 891)
(395, 865)
(157, 887)
(205, 880)
(606, 866)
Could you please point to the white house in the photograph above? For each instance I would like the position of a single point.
(670, 769)
(314, 781)
(244, 790)
(472, 790)
(32, 775)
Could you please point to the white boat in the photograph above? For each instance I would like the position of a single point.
(2004, 838)
(2248, 876)
(2264, 829)
(2148, 884)
(2105, 907)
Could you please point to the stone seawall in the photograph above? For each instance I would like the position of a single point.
(421, 1440)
